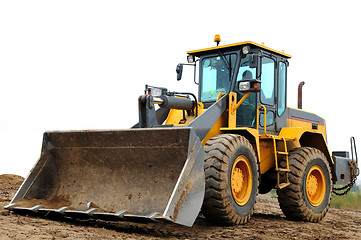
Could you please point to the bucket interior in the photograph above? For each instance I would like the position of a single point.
(133, 170)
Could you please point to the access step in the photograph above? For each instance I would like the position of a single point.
(283, 185)
(283, 170)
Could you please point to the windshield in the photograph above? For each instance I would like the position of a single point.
(216, 76)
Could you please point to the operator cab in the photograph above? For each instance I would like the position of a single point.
(230, 68)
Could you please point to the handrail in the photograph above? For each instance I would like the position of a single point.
(265, 120)
(233, 106)
(240, 102)
(353, 150)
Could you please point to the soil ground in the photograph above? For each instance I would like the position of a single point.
(268, 222)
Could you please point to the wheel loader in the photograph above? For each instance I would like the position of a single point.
(212, 152)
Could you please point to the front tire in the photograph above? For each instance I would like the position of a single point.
(231, 174)
(309, 195)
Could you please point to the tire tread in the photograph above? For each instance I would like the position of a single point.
(291, 199)
(216, 207)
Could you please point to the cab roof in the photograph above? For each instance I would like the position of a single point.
(204, 50)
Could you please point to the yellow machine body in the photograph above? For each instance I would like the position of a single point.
(296, 129)
(214, 152)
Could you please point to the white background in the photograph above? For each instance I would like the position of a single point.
(72, 65)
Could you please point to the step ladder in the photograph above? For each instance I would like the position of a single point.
(278, 169)
(277, 153)
(280, 155)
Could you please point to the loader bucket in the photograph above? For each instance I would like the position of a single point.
(133, 175)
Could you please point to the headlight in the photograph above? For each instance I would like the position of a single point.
(245, 49)
(252, 85)
(244, 86)
(190, 59)
(155, 91)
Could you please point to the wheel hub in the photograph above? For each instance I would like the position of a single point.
(312, 185)
(315, 186)
(241, 180)
(237, 180)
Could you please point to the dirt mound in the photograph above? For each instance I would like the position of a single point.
(268, 222)
(9, 184)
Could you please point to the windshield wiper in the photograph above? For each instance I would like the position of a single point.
(224, 59)
(226, 63)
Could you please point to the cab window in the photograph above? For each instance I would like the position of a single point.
(245, 72)
(246, 113)
(216, 77)
(268, 81)
(281, 88)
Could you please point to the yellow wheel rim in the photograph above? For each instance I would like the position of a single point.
(315, 186)
(241, 180)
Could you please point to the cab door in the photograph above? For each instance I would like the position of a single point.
(267, 95)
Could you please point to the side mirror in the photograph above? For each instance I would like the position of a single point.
(179, 71)
(253, 60)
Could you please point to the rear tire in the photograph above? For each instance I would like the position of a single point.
(309, 195)
(231, 176)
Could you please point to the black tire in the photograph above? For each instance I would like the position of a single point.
(307, 199)
(224, 153)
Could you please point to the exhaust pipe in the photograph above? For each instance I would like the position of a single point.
(300, 94)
